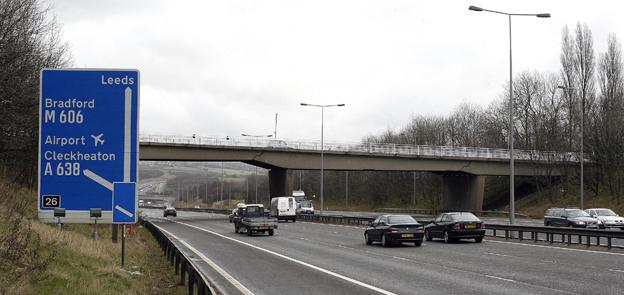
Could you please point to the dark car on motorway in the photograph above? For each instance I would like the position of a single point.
(233, 217)
(170, 211)
(453, 226)
(394, 229)
(570, 217)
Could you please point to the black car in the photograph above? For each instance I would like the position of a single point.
(394, 229)
(570, 217)
(170, 211)
(453, 226)
(234, 216)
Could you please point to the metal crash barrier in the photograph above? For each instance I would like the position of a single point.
(556, 234)
(189, 273)
(339, 219)
(551, 235)
(568, 236)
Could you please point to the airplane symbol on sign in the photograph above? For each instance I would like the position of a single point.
(98, 139)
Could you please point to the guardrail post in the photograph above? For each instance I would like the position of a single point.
(588, 241)
(183, 269)
(201, 287)
(609, 242)
(569, 239)
(580, 241)
(597, 241)
(191, 282)
(171, 255)
(534, 236)
(520, 235)
(506, 234)
(177, 263)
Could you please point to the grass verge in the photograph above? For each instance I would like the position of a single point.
(38, 258)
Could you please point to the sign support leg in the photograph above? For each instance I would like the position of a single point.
(95, 233)
(115, 234)
(123, 245)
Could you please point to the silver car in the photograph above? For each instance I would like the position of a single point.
(607, 216)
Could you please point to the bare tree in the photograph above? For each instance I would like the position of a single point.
(568, 77)
(29, 41)
(608, 136)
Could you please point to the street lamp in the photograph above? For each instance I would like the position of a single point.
(322, 118)
(256, 173)
(582, 158)
(512, 209)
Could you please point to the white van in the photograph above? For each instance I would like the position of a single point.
(284, 208)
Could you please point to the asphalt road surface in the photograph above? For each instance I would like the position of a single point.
(311, 258)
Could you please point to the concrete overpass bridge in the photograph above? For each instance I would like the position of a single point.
(463, 169)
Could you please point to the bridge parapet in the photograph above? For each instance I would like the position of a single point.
(369, 148)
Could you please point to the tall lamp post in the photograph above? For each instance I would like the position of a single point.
(512, 209)
(581, 158)
(256, 173)
(275, 129)
(322, 107)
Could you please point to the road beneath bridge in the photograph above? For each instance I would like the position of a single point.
(311, 258)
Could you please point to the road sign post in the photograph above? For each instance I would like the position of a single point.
(88, 144)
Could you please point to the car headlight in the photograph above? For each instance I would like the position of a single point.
(598, 222)
(580, 222)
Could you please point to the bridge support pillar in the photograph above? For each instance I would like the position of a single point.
(463, 192)
(279, 184)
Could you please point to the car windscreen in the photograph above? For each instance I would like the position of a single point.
(306, 204)
(605, 212)
(464, 217)
(254, 212)
(577, 213)
(400, 219)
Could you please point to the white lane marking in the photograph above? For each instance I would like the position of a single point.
(329, 272)
(497, 254)
(458, 269)
(447, 267)
(616, 270)
(558, 248)
(124, 211)
(222, 272)
(502, 279)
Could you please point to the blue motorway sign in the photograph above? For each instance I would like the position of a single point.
(88, 144)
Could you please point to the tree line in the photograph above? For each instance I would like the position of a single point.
(29, 41)
(550, 110)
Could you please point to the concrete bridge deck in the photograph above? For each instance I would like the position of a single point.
(463, 168)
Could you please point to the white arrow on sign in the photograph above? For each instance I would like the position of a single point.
(127, 145)
(124, 211)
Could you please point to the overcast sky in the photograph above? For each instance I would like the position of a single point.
(222, 68)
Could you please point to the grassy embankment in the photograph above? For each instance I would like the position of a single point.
(37, 258)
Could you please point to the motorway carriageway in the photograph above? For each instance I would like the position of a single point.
(312, 258)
